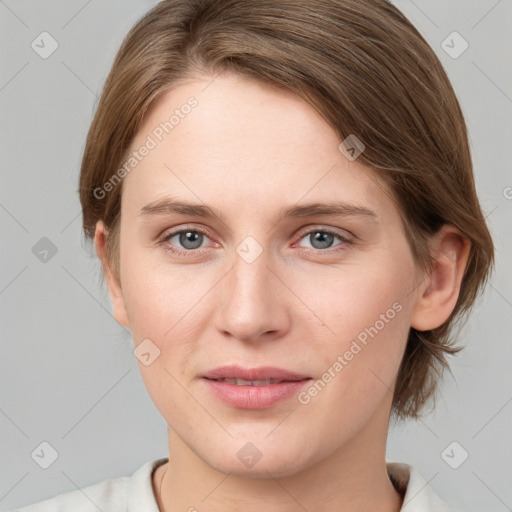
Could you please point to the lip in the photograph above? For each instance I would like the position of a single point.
(259, 373)
(252, 396)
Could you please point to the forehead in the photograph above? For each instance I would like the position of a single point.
(228, 140)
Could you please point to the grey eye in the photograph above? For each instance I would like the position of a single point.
(320, 239)
(189, 239)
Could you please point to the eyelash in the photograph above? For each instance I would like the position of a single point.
(182, 252)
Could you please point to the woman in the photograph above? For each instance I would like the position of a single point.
(282, 199)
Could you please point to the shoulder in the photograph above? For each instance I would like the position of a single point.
(111, 495)
(419, 496)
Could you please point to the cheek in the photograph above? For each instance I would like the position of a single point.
(162, 305)
(168, 305)
(366, 313)
(360, 302)
(159, 298)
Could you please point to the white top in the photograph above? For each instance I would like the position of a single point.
(135, 493)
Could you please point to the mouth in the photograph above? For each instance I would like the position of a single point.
(253, 388)
(243, 382)
(260, 376)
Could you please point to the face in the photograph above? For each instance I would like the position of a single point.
(261, 278)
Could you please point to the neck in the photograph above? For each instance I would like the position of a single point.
(353, 478)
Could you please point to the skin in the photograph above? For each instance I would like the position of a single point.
(247, 150)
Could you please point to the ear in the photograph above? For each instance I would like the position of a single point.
(113, 281)
(438, 293)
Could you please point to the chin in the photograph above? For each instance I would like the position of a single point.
(262, 469)
(260, 459)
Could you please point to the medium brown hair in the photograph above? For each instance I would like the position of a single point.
(364, 67)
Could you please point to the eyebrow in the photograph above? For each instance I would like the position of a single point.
(168, 206)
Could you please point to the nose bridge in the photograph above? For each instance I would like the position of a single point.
(250, 269)
(250, 304)
(249, 282)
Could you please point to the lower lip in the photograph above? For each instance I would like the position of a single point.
(254, 397)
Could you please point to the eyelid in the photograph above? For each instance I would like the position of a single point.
(342, 233)
(301, 233)
(169, 233)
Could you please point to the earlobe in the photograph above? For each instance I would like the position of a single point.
(113, 281)
(438, 294)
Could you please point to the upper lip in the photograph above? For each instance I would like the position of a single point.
(260, 373)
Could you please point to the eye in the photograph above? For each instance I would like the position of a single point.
(186, 241)
(321, 239)
(188, 238)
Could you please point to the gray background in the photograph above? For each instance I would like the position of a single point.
(68, 374)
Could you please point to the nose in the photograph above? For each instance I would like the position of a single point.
(253, 303)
